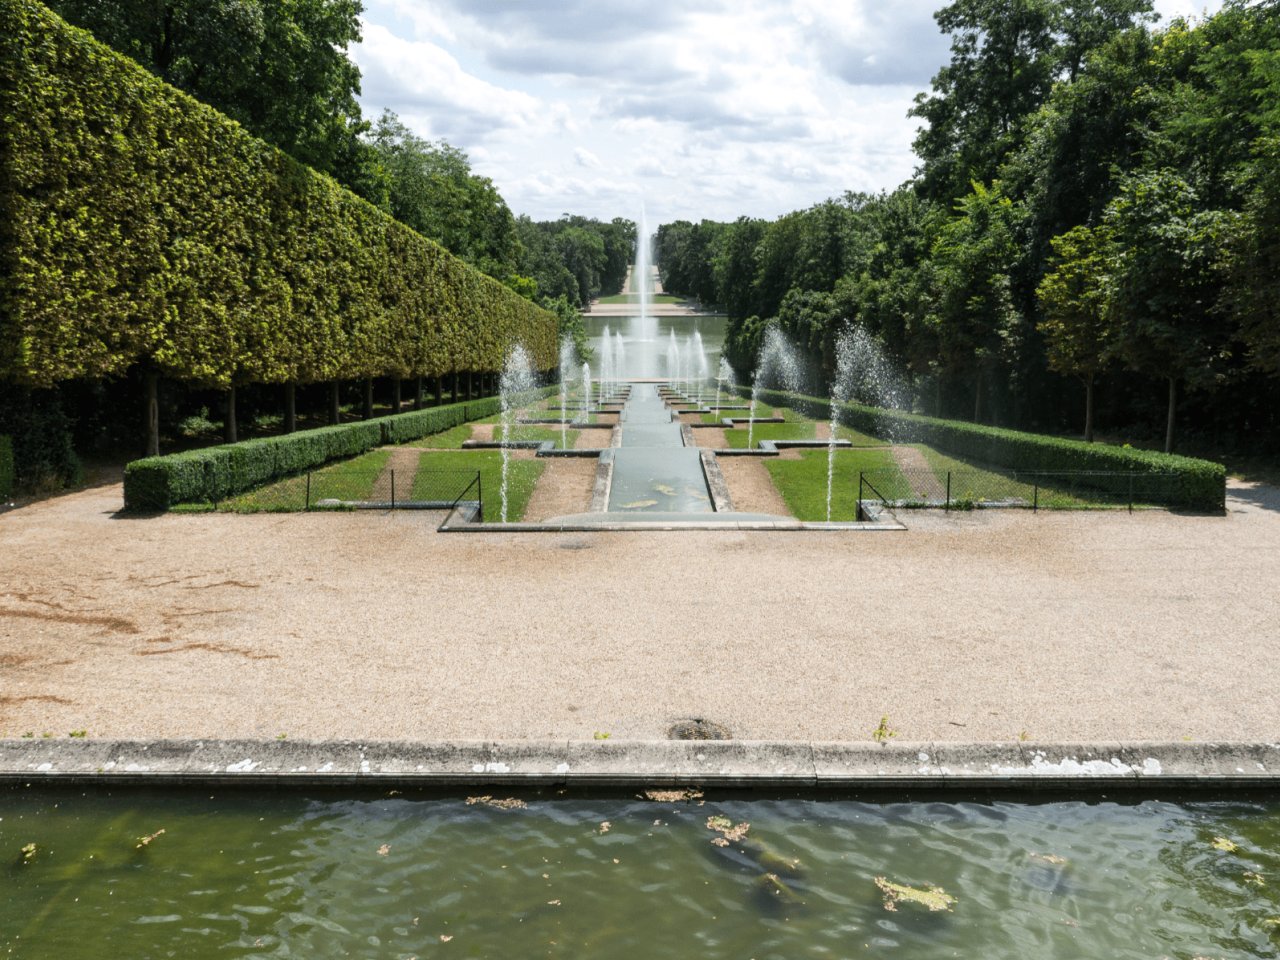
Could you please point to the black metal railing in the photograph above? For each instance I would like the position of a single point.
(1034, 490)
(350, 486)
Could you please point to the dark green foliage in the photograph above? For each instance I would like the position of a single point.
(137, 225)
(576, 257)
(1203, 484)
(431, 188)
(6, 467)
(279, 67)
(40, 436)
(216, 473)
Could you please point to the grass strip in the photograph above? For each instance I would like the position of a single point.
(522, 478)
(349, 480)
(803, 482)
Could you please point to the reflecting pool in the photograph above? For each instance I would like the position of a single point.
(533, 874)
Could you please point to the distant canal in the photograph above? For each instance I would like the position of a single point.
(137, 874)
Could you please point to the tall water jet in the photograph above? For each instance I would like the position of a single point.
(516, 387)
(566, 364)
(606, 363)
(723, 375)
(641, 278)
(586, 394)
(865, 374)
(673, 361)
(779, 366)
(620, 355)
(704, 368)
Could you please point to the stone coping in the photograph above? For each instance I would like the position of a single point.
(741, 763)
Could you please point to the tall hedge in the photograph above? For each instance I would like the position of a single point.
(138, 225)
(1201, 483)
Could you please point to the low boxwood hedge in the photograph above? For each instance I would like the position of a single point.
(6, 467)
(216, 473)
(1201, 483)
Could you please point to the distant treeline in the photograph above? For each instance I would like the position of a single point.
(1096, 197)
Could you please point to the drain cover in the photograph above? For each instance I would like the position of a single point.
(698, 730)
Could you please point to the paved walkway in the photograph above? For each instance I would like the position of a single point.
(980, 626)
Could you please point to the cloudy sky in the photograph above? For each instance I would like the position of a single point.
(697, 108)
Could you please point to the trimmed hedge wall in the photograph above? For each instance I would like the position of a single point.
(216, 473)
(1203, 484)
(6, 467)
(138, 225)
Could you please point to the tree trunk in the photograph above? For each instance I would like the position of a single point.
(417, 394)
(335, 411)
(229, 425)
(1088, 410)
(153, 414)
(395, 395)
(439, 398)
(1173, 402)
(469, 387)
(290, 409)
(937, 396)
(977, 399)
(367, 412)
(453, 397)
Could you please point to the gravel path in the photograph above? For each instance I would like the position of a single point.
(978, 626)
(563, 489)
(751, 488)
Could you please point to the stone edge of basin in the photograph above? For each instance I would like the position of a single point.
(637, 763)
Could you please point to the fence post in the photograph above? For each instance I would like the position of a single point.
(857, 514)
(393, 489)
(480, 494)
(948, 502)
(1131, 491)
(1035, 498)
(308, 507)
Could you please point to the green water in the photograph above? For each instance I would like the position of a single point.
(400, 876)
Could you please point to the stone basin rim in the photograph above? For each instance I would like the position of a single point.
(1089, 766)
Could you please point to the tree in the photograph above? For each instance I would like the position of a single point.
(1164, 286)
(431, 188)
(1073, 298)
(279, 67)
(977, 324)
(1005, 57)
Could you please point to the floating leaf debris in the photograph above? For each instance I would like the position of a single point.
(935, 898)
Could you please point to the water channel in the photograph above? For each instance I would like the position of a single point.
(653, 471)
(409, 875)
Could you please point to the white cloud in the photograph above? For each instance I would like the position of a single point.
(704, 108)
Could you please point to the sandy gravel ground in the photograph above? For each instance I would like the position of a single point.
(710, 437)
(750, 487)
(593, 440)
(563, 489)
(980, 626)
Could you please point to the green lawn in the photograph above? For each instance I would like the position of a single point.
(803, 482)
(451, 439)
(522, 478)
(737, 438)
(534, 431)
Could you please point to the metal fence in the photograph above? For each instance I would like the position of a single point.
(358, 487)
(1033, 490)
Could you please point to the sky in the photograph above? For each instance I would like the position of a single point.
(692, 108)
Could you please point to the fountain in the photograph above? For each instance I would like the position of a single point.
(863, 373)
(620, 355)
(607, 374)
(566, 361)
(779, 366)
(704, 368)
(723, 375)
(673, 361)
(586, 394)
(517, 388)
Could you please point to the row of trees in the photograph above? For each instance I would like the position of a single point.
(280, 68)
(1095, 196)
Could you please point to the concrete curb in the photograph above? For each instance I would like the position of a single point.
(731, 763)
(721, 502)
(603, 486)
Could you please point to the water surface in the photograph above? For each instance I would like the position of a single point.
(398, 876)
